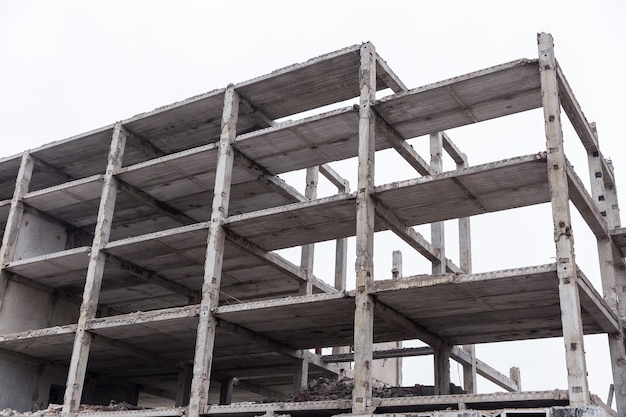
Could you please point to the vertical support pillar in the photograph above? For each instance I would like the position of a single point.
(516, 375)
(396, 273)
(16, 212)
(341, 254)
(300, 375)
(308, 251)
(563, 237)
(95, 271)
(341, 264)
(364, 312)
(341, 274)
(442, 369)
(184, 386)
(611, 272)
(469, 371)
(226, 391)
(465, 260)
(437, 237)
(301, 366)
(396, 264)
(205, 337)
(437, 229)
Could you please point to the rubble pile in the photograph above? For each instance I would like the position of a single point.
(324, 389)
(57, 408)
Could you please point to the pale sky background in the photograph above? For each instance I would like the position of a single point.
(67, 67)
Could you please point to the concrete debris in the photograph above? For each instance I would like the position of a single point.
(323, 389)
(57, 408)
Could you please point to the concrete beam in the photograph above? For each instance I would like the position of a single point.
(455, 153)
(410, 236)
(277, 347)
(271, 181)
(414, 330)
(583, 128)
(153, 277)
(385, 73)
(137, 351)
(333, 176)
(406, 151)
(276, 261)
(148, 200)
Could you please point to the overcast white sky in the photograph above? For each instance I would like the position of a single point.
(67, 67)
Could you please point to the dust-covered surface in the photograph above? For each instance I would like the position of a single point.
(57, 408)
(322, 389)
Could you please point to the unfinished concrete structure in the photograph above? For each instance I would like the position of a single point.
(140, 256)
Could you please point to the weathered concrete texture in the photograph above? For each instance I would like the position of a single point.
(163, 229)
(38, 237)
(579, 412)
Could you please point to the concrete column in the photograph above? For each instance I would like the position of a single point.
(465, 260)
(95, 270)
(611, 272)
(364, 312)
(396, 264)
(341, 254)
(308, 251)
(442, 368)
(16, 212)
(563, 235)
(300, 375)
(437, 229)
(205, 337)
(469, 371)
(184, 386)
(307, 259)
(226, 391)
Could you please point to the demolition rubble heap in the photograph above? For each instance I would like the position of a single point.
(139, 259)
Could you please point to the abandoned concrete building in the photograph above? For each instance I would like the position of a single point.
(143, 258)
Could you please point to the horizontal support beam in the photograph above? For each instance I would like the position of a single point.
(153, 278)
(277, 347)
(583, 128)
(143, 145)
(414, 330)
(137, 351)
(385, 73)
(261, 390)
(595, 305)
(158, 205)
(585, 205)
(277, 261)
(405, 150)
(455, 153)
(271, 181)
(246, 106)
(484, 370)
(381, 354)
(333, 176)
(410, 236)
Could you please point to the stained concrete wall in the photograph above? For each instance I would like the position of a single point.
(388, 370)
(25, 384)
(38, 237)
(26, 308)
